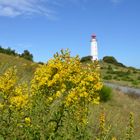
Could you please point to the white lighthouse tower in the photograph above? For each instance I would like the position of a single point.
(94, 48)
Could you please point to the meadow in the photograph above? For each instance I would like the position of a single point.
(63, 100)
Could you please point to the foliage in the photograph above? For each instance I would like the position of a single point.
(130, 127)
(104, 130)
(135, 82)
(70, 88)
(110, 68)
(56, 105)
(107, 77)
(138, 78)
(8, 51)
(86, 59)
(105, 93)
(26, 54)
(13, 102)
(112, 60)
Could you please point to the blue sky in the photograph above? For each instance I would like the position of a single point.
(46, 26)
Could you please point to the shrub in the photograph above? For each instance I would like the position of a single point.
(138, 78)
(135, 83)
(65, 89)
(27, 55)
(112, 60)
(109, 59)
(109, 68)
(135, 71)
(86, 58)
(105, 93)
(56, 106)
(107, 77)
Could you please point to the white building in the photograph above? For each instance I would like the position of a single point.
(94, 48)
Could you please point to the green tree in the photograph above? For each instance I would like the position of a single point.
(27, 55)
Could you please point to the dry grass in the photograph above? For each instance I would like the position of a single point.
(117, 115)
(25, 68)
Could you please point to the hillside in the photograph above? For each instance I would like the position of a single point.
(127, 76)
(115, 72)
(25, 68)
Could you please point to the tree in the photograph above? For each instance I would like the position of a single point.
(27, 55)
(86, 58)
(112, 60)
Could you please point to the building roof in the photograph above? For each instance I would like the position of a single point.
(93, 36)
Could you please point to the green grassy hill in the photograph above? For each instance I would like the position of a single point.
(115, 72)
(127, 76)
(25, 68)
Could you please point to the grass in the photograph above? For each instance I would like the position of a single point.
(117, 114)
(25, 68)
(126, 76)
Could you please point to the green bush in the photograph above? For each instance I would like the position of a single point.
(138, 78)
(112, 60)
(26, 54)
(105, 93)
(109, 67)
(135, 83)
(86, 58)
(107, 77)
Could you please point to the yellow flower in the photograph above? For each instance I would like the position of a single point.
(58, 94)
(114, 138)
(50, 99)
(1, 106)
(27, 120)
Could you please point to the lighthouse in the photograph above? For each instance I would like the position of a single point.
(94, 48)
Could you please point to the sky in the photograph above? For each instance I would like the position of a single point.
(44, 27)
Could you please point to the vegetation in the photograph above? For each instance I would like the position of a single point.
(24, 67)
(61, 100)
(113, 73)
(26, 54)
(86, 59)
(55, 106)
(112, 60)
(105, 93)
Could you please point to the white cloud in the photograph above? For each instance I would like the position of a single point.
(12, 8)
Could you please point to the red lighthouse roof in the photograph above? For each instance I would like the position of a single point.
(93, 36)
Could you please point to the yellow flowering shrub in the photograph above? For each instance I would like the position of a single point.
(7, 82)
(21, 96)
(14, 98)
(65, 77)
(68, 86)
(12, 94)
